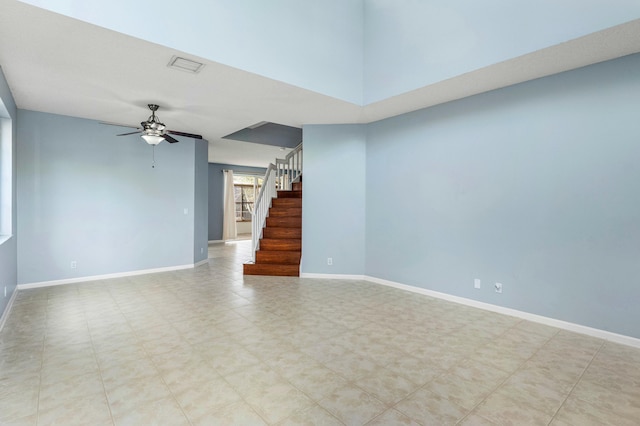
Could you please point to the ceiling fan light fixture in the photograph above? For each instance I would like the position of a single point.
(152, 139)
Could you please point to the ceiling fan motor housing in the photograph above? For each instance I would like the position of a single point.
(154, 132)
(153, 126)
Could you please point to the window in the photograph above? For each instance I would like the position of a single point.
(245, 197)
(246, 189)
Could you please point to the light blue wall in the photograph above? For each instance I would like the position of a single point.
(201, 208)
(216, 194)
(8, 248)
(88, 196)
(536, 186)
(410, 43)
(310, 44)
(333, 202)
(360, 51)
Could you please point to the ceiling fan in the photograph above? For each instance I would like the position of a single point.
(154, 132)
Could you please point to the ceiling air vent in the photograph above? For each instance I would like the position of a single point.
(184, 64)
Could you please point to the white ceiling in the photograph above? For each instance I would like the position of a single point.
(59, 65)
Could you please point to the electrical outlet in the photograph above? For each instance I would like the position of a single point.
(498, 287)
(329, 261)
(201, 250)
(476, 283)
(74, 264)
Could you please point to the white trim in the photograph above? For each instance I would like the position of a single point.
(552, 322)
(202, 262)
(216, 241)
(332, 276)
(103, 277)
(577, 328)
(7, 309)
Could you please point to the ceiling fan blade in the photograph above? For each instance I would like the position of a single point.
(130, 133)
(119, 125)
(189, 135)
(169, 138)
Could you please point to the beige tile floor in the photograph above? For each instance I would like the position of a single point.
(207, 347)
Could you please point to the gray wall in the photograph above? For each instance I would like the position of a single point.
(216, 194)
(8, 248)
(201, 208)
(535, 186)
(333, 206)
(88, 196)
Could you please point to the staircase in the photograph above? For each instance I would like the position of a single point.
(281, 242)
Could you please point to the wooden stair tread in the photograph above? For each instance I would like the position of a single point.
(286, 202)
(285, 211)
(281, 257)
(271, 269)
(283, 244)
(289, 194)
(284, 222)
(282, 233)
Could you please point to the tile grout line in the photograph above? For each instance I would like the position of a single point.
(534, 356)
(104, 389)
(95, 357)
(510, 375)
(503, 381)
(175, 399)
(239, 393)
(314, 401)
(214, 369)
(578, 381)
(150, 357)
(442, 374)
(44, 338)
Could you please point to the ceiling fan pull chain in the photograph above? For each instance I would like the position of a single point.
(153, 162)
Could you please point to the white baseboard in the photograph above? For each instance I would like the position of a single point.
(552, 322)
(103, 277)
(7, 309)
(216, 241)
(202, 262)
(332, 276)
(577, 328)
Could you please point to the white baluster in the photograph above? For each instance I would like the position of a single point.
(278, 176)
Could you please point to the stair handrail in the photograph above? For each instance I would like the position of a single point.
(289, 169)
(278, 176)
(261, 208)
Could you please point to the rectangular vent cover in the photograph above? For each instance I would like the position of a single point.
(184, 64)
